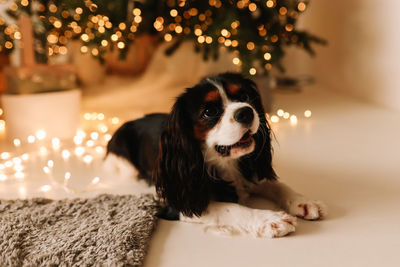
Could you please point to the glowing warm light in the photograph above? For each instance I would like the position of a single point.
(17, 160)
(107, 137)
(45, 188)
(46, 170)
(250, 45)
(5, 155)
(1, 111)
(84, 49)
(114, 37)
(43, 151)
(25, 157)
(198, 32)
(8, 163)
(2, 125)
(286, 115)
(18, 168)
(50, 163)
(100, 116)
(267, 56)
(22, 191)
(3, 177)
(307, 113)
(293, 119)
(55, 143)
(31, 139)
(270, 3)
(90, 143)
(65, 154)
(173, 12)
(94, 135)
(99, 149)
(252, 71)
(85, 37)
(103, 128)
(78, 140)
(87, 159)
(301, 6)
(2, 166)
(115, 120)
(19, 175)
(280, 112)
(274, 118)
(81, 133)
(121, 45)
(201, 39)
(40, 134)
(67, 175)
(79, 151)
(136, 11)
(95, 180)
(168, 37)
(236, 61)
(252, 7)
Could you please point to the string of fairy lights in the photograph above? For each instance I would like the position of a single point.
(62, 161)
(256, 31)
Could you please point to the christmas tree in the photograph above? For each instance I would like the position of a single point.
(256, 31)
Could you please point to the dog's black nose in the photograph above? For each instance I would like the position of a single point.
(244, 115)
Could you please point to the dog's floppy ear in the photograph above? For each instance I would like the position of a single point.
(180, 177)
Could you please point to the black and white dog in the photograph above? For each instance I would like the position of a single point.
(209, 155)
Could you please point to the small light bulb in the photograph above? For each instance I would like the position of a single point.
(17, 160)
(43, 151)
(65, 154)
(8, 163)
(25, 156)
(307, 113)
(87, 159)
(293, 120)
(107, 137)
(3, 177)
(99, 149)
(280, 112)
(55, 143)
(78, 140)
(31, 139)
(90, 143)
(274, 118)
(46, 170)
(95, 180)
(45, 188)
(5, 155)
(286, 115)
(94, 135)
(17, 142)
(19, 175)
(41, 134)
(115, 120)
(50, 163)
(79, 151)
(67, 175)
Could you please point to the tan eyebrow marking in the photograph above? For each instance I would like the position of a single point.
(233, 88)
(212, 96)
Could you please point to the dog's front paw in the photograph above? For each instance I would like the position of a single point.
(277, 224)
(308, 209)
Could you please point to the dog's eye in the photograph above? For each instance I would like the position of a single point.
(244, 97)
(210, 112)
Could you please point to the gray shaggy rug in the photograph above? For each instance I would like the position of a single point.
(106, 230)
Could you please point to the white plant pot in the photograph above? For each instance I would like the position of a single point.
(57, 113)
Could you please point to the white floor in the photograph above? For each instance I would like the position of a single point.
(346, 154)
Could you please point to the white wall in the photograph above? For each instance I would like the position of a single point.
(363, 55)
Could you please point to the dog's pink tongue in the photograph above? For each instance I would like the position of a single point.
(245, 138)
